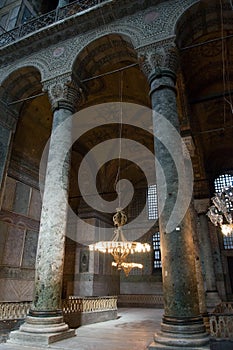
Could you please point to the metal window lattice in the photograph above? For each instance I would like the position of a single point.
(220, 183)
(228, 242)
(152, 202)
(223, 181)
(156, 248)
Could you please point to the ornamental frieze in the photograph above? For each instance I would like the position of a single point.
(58, 50)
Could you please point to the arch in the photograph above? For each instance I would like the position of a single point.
(105, 54)
(37, 63)
(132, 34)
(201, 19)
(109, 48)
(21, 83)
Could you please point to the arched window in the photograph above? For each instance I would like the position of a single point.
(220, 183)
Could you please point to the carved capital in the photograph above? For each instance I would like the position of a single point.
(64, 92)
(159, 57)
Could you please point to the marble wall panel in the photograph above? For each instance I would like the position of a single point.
(106, 285)
(141, 288)
(3, 237)
(22, 198)
(5, 135)
(30, 248)
(83, 288)
(14, 246)
(16, 290)
(9, 194)
(35, 205)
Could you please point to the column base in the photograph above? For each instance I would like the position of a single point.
(41, 331)
(189, 334)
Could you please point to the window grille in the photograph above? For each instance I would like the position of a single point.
(220, 183)
(157, 252)
(152, 202)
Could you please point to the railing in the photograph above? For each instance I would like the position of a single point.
(141, 300)
(12, 311)
(89, 304)
(221, 321)
(47, 19)
(9, 311)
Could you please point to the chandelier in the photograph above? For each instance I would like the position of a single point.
(221, 212)
(119, 247)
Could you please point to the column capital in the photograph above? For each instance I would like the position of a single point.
(159, 59)
(64, 92)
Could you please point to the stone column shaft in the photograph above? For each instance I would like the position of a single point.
(207, 253)
(179, 277)
(212, 297)
(45, 321)
(51, 244)
(182, 326)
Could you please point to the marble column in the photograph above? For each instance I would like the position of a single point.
(44, 324)
(182, 326)
(189, 151)
(212, 297)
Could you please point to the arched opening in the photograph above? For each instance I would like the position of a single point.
(108, 71)
(21, 204)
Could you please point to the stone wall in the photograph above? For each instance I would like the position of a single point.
(19, 225)
(88, 273)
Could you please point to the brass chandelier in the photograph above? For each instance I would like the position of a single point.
(221, 213)
(119, 247)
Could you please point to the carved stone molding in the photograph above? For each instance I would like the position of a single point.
(56, 47)
(19, 220)
(64, 92)
(189, 149)
(158, 56)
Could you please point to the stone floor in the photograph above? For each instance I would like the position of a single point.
(133, 330)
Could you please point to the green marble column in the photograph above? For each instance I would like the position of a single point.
(212, 297)
(51, 244)
(45, 321)
(182, 326)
